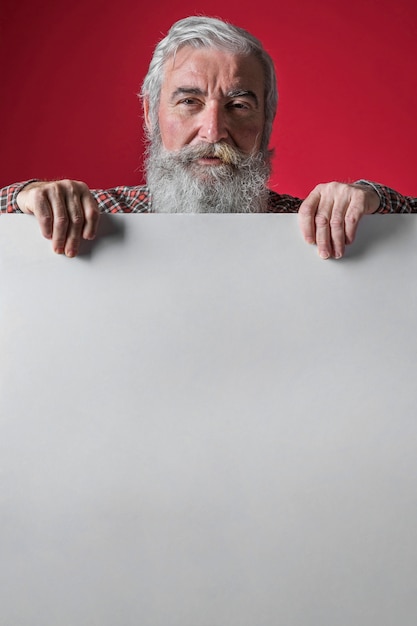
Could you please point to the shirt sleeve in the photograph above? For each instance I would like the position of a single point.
(123, 199)
(9, 194)
(117, 200)
(282, 203)
(390, 200)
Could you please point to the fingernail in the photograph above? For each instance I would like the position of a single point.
(324, 255)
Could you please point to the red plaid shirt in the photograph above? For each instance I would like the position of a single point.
(139, 200)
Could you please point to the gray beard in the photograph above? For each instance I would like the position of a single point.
(178, 184)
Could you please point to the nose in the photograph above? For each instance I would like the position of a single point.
(213, 125)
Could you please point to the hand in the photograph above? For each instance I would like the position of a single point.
(66, 211)
(330, 214)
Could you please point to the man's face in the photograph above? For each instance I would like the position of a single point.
(205, 156)
(210, 96)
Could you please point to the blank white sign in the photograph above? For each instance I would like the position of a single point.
(204, 424)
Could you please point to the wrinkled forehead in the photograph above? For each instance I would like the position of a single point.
(215, 67)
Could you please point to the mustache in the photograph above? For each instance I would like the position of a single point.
(229, 155)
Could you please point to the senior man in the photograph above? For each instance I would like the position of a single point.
(209, 101)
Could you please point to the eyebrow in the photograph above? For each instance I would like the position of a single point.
(181, 91)
(245, 93)
(234, 93)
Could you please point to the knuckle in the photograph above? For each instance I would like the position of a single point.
(44, 218)
(91, 208)
(67, 183)
(54, 187)
(61, 220)
(37, 195)
(77, 219)
(305, 210)
(82, 186)
(322, 220)
(328, 187)
(336, 221)
(70, 188)
(353, 217)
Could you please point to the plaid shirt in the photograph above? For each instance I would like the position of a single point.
(139, 200)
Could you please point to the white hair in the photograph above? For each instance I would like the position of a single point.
(178, 184)
(209, 32)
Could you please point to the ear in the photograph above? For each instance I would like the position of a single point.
(146, 115)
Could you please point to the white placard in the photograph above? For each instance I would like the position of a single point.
(204, 424)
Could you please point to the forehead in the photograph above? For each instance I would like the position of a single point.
(213, 70)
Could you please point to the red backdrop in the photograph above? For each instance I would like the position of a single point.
(347, 80)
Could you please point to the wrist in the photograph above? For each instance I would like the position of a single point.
(374, 196)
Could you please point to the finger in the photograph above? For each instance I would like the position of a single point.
(91, 214)
(306, 216)
(322, 222)
(57, 201)
(83, 217)
(353, 215)
(40, 206)
(337, 229)
(75, 221)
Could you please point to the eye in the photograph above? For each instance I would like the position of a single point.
(189, 102)
(240, 106)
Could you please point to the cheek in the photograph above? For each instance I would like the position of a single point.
(174, 132)
(249, 137)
